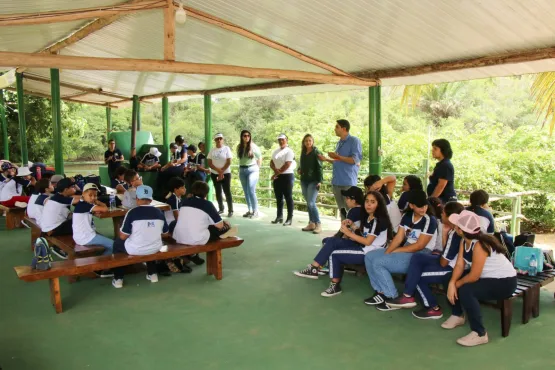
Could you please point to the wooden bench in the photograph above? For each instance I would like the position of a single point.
(14, 216)
(86, 265)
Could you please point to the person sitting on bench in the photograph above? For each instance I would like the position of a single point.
(491, 277)
(12, 191)
(177, 188)
(56, 218)
(478, 204)
(36, 205)
(150, 161)
(118, 182)
(141, 234)
(133, 180)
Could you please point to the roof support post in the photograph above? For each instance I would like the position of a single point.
(134, 121)
(4, 126)
(375, 130)
(21, 117)
(208, 132)
(108, 122)
(57, 120)
(166, 129)
(138, 113)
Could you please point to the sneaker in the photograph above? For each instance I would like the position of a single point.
(254, 215)
(221, 211)
(196, 259)
(385, 307)
(453, 321)
(117, 283)
(473, 339)
(427, 313)
(334, 289)
(401, 302)
(310, 227)
(58, 252)
(350, 270)
(230, 214)
(323, 271)
(20, 204)
(153, 278)
(317, 229)
(230, 233)
(376, 299)
(248, 214)
(311, 272)
(104, 273)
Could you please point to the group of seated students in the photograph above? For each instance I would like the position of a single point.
(431, 243)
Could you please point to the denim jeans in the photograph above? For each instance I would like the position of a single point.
(380, 266)
(310, 193)
(107, 243)
(249, 178)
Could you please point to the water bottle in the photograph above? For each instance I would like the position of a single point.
(112, 202)
(533, 266)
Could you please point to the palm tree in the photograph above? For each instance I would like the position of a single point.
(543, 91)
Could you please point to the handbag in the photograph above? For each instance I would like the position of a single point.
(522, 255)
(526, 239)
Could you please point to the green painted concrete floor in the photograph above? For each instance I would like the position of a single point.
(259, 316)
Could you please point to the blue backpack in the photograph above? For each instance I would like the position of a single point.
(43, 258)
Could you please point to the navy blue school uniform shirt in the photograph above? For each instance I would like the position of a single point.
(487, 223)
(451, 250)
(376, 228)
(403, 201)
(116, 182)
(427, 225)
(175, 203)
(443, 170)
(355, 214)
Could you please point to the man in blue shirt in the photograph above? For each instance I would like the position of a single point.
(346, 163)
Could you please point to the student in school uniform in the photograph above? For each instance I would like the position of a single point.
(118, 182)
(5, 174)
(427, 269)
(194, 171)
(173, 157)
(133, 180)
(373, 234)
(491, 277)
(410, 182)
(478, 204)
(442, 180)
(386, 187)
(151, 160)
(19, 181)
(36, 204)
(182, 149)
(177, 186)
(417, 234)
(56, 217)
(219, 161)
(141, 234)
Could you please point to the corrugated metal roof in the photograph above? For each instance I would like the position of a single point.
(30, 39)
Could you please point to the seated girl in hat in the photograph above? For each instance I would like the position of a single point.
(17, 180)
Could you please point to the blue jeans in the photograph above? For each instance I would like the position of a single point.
(310, 193)
(380, 266)
(249, 178)
(107, 243)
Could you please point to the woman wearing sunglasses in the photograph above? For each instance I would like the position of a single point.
(219, 161)
(250, 159)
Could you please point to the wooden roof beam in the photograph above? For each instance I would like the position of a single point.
(74, 87)
(46, 96)
(169, 31)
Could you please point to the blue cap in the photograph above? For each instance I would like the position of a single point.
(144, 192)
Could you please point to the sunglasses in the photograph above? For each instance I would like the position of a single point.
(218, 139)
(246, 135)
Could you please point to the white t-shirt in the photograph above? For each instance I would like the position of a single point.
(219, 156)
(55, 212)
(84, 229)
(280, 156)
(195, 215)
(11, 189)
(394, 214)
(35, 207)
(145, 226)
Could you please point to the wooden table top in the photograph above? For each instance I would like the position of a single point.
(122, 211)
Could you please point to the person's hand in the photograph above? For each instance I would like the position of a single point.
(347, 222)
(322, 158)
(346, 231)
(333, 155)
(452, 294)
(220, 177)
(110, 158)
(376, 186)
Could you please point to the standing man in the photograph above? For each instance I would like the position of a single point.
(113, 158)
(346, 163)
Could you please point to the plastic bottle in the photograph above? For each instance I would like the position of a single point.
(533, 266)
(112, 202)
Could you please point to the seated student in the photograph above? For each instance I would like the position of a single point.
(151, 161)
(141, 234)
(5, 174)
(36, 204)
(375, 231)
(56, 218)
(354, 197)
(478, 204)
(174, 156)
(427, 269)
(410, 182)
(177, 186)
(133, 180)
(55, 179)
(491, 277)
(199, 221)
(437, 207)
(386, 187)
(194, 171)
(417, 234)
(12, 192)
(118, 182)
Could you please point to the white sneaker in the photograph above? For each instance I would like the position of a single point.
(153, 278)
(230, 233)
(20, 204)
(453, 321)
(473, 339)
(117, 283)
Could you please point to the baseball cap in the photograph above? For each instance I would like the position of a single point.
(144, 192)
(24, 171)
(418, 198)
(155, 151)
(90, 186)
(282, 136)
(355, 193)
(218, 135)
(56, 178)
(63, 184)
(468, 221)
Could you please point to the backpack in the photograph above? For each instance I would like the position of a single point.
(43, 258)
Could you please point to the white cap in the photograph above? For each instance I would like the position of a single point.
(90, 186)
(30, 164)
(24, 171)
(155, 151)
(282, 136)
(218, 135)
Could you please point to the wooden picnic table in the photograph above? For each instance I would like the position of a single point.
(119, 213)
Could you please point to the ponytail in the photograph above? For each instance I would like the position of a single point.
(488, 242)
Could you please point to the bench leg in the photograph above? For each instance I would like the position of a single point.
(13, 220)
(55, 296)
(527, 303)
(536, 301)
(214, 264)
(506, 316)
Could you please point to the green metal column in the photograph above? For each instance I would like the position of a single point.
(134, 121)
(4, 126)
(108, 122)
(375, 130)
(138, 113)
(208, 133)
(57, 120)
(165, 129)
(21, 116)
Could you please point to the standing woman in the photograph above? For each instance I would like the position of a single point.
(219, 161)
(311, 178)
(250, 159)
(442, 180)
(283, 165)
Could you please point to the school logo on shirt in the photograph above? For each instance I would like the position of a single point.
(150, 224)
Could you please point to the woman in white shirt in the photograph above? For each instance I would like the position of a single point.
(283, 165)
(219, 161)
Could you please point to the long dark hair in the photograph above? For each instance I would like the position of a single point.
(380, 214)
(452, 207)
(444, 147)
(488, 242)
(303, 150)
(371, 180)
(245, 149)
(414, 182)
(436, 205)
(477, 199)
